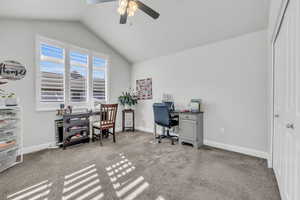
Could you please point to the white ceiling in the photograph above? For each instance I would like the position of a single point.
(183, 24)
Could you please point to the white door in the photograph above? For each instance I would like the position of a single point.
(286, 149)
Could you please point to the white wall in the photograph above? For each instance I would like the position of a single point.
(275, 6)
(230, 76)
(17, 39)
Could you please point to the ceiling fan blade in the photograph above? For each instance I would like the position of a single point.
(123, 18)
(98, 1)
(149, 11)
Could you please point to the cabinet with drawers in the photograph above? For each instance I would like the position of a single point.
(191, 128)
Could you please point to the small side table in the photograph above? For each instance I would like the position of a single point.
(124, 127)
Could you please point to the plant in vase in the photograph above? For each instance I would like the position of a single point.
(128, 99)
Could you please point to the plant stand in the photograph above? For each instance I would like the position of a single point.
(124, 127)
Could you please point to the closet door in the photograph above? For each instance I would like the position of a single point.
(287, 102)
(297, 96)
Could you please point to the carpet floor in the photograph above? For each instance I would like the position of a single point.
(137, 168)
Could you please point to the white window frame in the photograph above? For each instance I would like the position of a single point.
(40, 106)
(51, 106)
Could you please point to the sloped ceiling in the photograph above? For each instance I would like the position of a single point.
(183, 24)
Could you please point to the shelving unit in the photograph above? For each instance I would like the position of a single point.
(11, 152)
(76, 128)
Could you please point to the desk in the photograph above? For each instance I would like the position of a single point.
(62, 127)
(191, 128)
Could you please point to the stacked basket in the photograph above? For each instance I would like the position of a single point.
(10, 137)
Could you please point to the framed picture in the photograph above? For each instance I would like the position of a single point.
(144, 89)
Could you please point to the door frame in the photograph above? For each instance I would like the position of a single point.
(275, 32)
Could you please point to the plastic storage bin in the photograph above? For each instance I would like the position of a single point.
(10, 137)
(7, 154)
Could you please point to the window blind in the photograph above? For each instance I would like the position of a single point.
(52, 69)
(99, 77)
(78, 77)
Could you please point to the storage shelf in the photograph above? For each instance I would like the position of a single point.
(10, 107)
(75, 124)
(10, 137)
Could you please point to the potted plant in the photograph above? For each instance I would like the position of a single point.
(128, 99)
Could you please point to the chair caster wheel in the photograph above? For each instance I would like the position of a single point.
(159, 141)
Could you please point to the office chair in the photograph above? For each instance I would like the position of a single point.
(170, 105)
(162, 117)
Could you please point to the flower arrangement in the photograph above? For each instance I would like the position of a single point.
(128, 98)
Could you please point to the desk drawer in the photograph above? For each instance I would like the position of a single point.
(188, 117)
(188, 129)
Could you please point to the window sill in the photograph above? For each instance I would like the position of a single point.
(46, 109)
(51, 109)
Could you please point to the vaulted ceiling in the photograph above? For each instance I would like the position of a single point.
(183, 24)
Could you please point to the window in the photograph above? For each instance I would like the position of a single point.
(68, 75)
(78, 77)
(52, 70)
(99, 77)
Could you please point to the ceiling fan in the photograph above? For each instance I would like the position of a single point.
(128, 8)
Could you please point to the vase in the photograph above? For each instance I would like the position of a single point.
(127, 107)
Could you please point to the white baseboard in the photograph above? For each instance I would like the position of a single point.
(228, 147)
(35, 148)
(118, 129)
(270, 164)
(238, 149)
(40, 147)
(146, 130)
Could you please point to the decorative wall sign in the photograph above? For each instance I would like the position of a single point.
(12, 70)
(144, 88)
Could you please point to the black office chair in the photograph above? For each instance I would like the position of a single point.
(162, 117)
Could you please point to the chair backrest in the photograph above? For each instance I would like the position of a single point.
(170, 105)
(108, 114)
(161, 114)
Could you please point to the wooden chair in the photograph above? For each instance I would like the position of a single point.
(108, 113)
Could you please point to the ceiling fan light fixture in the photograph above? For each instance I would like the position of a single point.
(130, 13)
(123, 3)
(121, 10)
(133, 6)
(122, 6)
(129, 6)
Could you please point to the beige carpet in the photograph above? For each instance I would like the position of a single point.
(135, 168)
